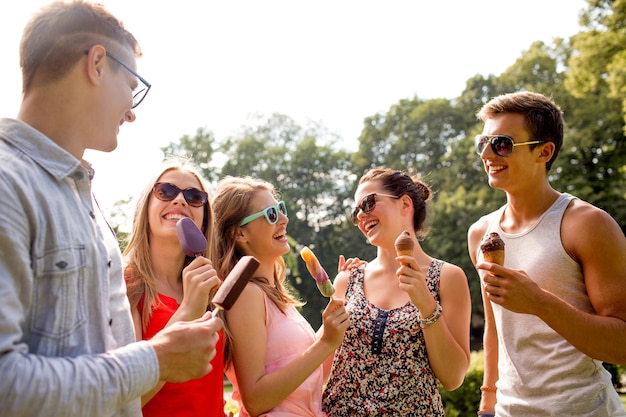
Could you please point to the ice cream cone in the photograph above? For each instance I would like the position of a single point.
(492, 247)
(494, 256)
(404, 244)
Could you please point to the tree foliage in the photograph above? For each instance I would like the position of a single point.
(599, 63)
(434, 137)
(198, 148)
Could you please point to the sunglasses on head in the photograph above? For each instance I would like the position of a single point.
(367, 204)
(501, 145)
(167, 192)
(270, 213)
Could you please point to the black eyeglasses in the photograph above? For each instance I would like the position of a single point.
(167, 192)
(141, 94)
(367, 204)
(270, 213)
(501, 145)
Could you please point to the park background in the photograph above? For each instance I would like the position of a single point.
(218, 64)
(315, 158)
(317, 174)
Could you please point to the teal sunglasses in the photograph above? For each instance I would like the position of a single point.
(270, 213)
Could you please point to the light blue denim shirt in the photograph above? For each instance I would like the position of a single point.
(66, 334)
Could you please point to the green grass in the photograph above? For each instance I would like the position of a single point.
(623, 397)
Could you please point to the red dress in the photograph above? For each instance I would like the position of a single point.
(202, 397)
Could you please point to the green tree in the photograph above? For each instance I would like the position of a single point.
(593, 165)
(199, 148)
(120, 220)
(315, 181)
(537, 69)
(598, 66)
(413, 135)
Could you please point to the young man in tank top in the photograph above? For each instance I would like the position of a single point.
(557, 308)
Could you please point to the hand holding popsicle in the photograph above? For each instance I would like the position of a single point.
(317, 272)
(199, 277)
(191, 238)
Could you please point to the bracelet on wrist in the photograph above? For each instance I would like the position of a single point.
(432, 319)
(486, 388)
(486, 414)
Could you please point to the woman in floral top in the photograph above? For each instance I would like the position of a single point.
(410, 314)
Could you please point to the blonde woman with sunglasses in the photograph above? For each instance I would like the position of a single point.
(410, 314)
(166, 286)
(273, 356)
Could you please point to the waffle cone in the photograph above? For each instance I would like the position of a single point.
(494, 256)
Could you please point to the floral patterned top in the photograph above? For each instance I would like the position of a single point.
(381, 367)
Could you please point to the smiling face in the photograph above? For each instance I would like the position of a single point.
(385, 218)
(163, 215)
(524, 166)
(259, 238)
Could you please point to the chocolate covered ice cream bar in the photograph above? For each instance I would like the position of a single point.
(235, 282)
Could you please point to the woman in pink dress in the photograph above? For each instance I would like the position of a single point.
(273, 356)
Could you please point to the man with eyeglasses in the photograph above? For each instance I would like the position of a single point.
(557, 308)
(67, 344)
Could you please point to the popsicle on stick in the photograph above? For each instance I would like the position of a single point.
(492, 247)
(317, 272)
(404, 244)
(191, 238)
(234, 283)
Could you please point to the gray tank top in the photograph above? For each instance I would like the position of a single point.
(540, 373)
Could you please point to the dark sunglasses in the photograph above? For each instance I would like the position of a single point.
(167, 192)
(270, 213)
(367, 204)
(501, 145)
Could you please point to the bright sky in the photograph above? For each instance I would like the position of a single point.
(212, 64)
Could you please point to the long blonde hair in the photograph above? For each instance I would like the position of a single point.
(138, 272)
(231, 203)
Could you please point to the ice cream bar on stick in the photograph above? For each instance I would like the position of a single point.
(234, 283)
(317, 272)
(191, 238)
(404, 244)
(492, 247)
